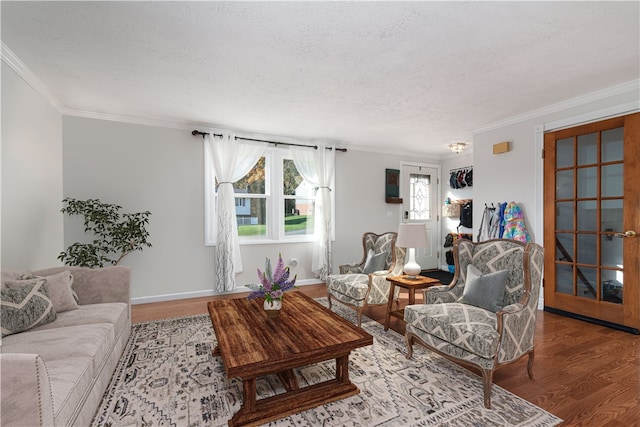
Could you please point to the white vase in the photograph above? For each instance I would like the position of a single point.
(273, 307)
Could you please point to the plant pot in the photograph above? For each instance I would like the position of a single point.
(273, 307)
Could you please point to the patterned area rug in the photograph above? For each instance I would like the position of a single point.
(168, 377)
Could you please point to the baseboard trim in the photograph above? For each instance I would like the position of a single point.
(592, 320)
(206, 293)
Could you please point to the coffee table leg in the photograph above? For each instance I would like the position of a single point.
(342, 369)
(387, 316)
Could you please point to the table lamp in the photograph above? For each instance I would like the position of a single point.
(411, 236)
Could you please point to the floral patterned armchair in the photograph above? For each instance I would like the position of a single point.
(475, 336)
(358, 289)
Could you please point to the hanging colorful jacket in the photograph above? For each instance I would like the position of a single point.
(514, 227)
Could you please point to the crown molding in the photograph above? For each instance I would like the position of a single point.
(630, 86)
(28, 76)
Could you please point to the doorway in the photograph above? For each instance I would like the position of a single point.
(420, 192)
(591, 216)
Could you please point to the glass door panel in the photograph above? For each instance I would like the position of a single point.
(612, 180)
(564, 184)
(588, 149)
(588, 182)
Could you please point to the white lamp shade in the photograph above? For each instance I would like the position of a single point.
(412, 236)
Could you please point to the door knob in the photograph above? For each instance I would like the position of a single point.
(629, 233)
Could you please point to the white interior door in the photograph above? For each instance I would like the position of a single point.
(420, 189)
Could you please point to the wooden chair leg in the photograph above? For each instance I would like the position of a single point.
(360, 315)
(530, 364)
(409, 340)
(329, 299)
(487, 381)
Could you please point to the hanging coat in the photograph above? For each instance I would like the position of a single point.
(514, 227)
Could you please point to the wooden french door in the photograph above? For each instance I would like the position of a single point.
(591, 216)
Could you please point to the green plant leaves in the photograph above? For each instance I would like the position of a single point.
(115, 234)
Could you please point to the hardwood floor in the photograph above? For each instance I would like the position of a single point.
(586, 374)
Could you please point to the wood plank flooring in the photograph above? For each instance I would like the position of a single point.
(586, 374)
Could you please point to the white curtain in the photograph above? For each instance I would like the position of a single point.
(231, 161)
(316, 167)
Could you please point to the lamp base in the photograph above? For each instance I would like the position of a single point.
(412, 269)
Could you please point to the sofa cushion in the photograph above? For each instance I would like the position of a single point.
(484, 290)
(92, 340)
(25, 307)
(466, 326)
(116, 313)
(60, 290)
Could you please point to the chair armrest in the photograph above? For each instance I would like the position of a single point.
(517, 329)
(441, 294)
(26, 392)
(353, 268)
(512, 309)
(98, 285)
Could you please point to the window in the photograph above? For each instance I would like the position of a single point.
(273, 202)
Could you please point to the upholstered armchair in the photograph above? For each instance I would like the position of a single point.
(365, 283)
(485, 318)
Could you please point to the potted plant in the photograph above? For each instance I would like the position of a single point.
(273, 285)
(115, 234)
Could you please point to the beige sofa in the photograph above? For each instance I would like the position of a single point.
(56, 374)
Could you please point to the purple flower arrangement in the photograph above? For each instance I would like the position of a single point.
(273, 283)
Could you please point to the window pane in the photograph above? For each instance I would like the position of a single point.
(587, 182)
(254, 181)
(564, 247)
(298, 217)
(587, 284)
(291, 180)
(588, 149)
(611, 253)
(612, 286)
(564, 279)
(587, 216)
(587, 249)
(564, 153)
(611, 215)
(419, 196)
(612, 180)
(564, 184)
(564, 216)
(251, 216)
(612, 144)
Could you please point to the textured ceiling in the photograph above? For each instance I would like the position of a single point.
(402, 76)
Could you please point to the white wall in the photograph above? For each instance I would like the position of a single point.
(161, 170)
(360, 200)
(517, 175)
(31, 176)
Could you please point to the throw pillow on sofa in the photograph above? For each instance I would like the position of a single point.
(25, 307)
(59, 286)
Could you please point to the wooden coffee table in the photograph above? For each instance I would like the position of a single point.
(252, 345)
(410, 284)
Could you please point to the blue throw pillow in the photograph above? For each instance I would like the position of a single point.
(374, 262)
(484, 291)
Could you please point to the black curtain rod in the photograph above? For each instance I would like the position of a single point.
(276, 143)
